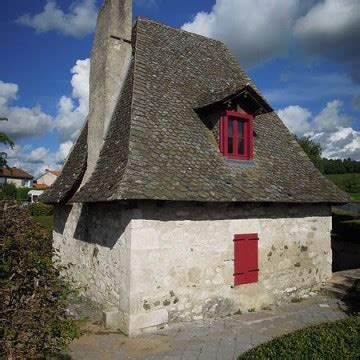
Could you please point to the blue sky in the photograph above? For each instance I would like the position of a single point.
(300, 54)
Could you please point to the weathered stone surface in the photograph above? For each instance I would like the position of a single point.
(143, 259)
(145, 320)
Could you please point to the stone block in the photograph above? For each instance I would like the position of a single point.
(146, 320)
(111, 319)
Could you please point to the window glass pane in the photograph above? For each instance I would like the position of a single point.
(241, 147)
(241, 129)
(230, 127)
(230, 136)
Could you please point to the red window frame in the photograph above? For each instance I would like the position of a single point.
(247, 121)
(246, 261)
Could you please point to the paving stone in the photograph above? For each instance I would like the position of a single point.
(226, 349)
(215, 339)
(190, 355)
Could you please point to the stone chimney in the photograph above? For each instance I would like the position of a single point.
(110, 59)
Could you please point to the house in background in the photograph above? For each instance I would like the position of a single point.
(46, 179)
(34, 195)
(15, 176)
(185, 195)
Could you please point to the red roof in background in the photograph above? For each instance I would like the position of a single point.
(40, 186)
(56, 173)
(15, 173)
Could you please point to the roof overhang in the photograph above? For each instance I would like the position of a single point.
(247, 95)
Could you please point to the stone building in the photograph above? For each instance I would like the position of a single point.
(185, 195)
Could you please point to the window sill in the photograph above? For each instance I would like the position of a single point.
(245, 164)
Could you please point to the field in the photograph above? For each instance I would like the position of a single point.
(348, 182)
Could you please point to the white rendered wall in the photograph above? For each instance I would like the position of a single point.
(182, 259)
(48, 178)
(156, 264)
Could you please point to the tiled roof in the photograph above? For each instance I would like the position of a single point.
(158, 147)
(14, 173)
(69, 180)
(40, 186)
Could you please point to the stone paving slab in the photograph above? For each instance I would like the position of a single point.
(223, 338)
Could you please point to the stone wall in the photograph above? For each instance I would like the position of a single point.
(182, 258)
(94, 242)
(161, 262)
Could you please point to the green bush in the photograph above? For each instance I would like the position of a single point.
(34, 323)
(8, 192)
(334, 340)
(22, 194)
(39, 209)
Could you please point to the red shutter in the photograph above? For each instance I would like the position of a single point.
(246, 258)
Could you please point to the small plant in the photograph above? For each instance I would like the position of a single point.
(39, 209)
(22, 194)
(8, 192)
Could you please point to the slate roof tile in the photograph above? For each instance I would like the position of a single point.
(158, 148)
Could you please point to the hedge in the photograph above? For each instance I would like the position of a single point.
(34, 298)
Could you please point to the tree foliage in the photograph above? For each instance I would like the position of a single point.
(327, 166)
(312, 149)
(5, 140)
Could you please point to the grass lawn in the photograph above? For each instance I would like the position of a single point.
(333, 340)
(355, 196)
(45, 220)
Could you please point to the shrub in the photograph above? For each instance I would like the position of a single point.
(34, 298)
(8, 192)
(334, 340)
(39, 209)
(22, 194)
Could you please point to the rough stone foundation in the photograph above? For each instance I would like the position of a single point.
(159, 262)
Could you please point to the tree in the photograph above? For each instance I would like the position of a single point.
(312, 149)
(5, 140)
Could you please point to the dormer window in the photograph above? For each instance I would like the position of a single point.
(236, 135)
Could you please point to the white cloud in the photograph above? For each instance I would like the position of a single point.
(331, 29)
(25, 123)
(22, 122)
(38, 155)
(329, 21)
(72, 111)
(34, 161)
(330, 119)
(330, 128)
(259, 30)
(78, 22)
(255, 30)
(64, 150)
(296, 118)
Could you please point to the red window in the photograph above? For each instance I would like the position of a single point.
(236, 140)
(246, 259)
